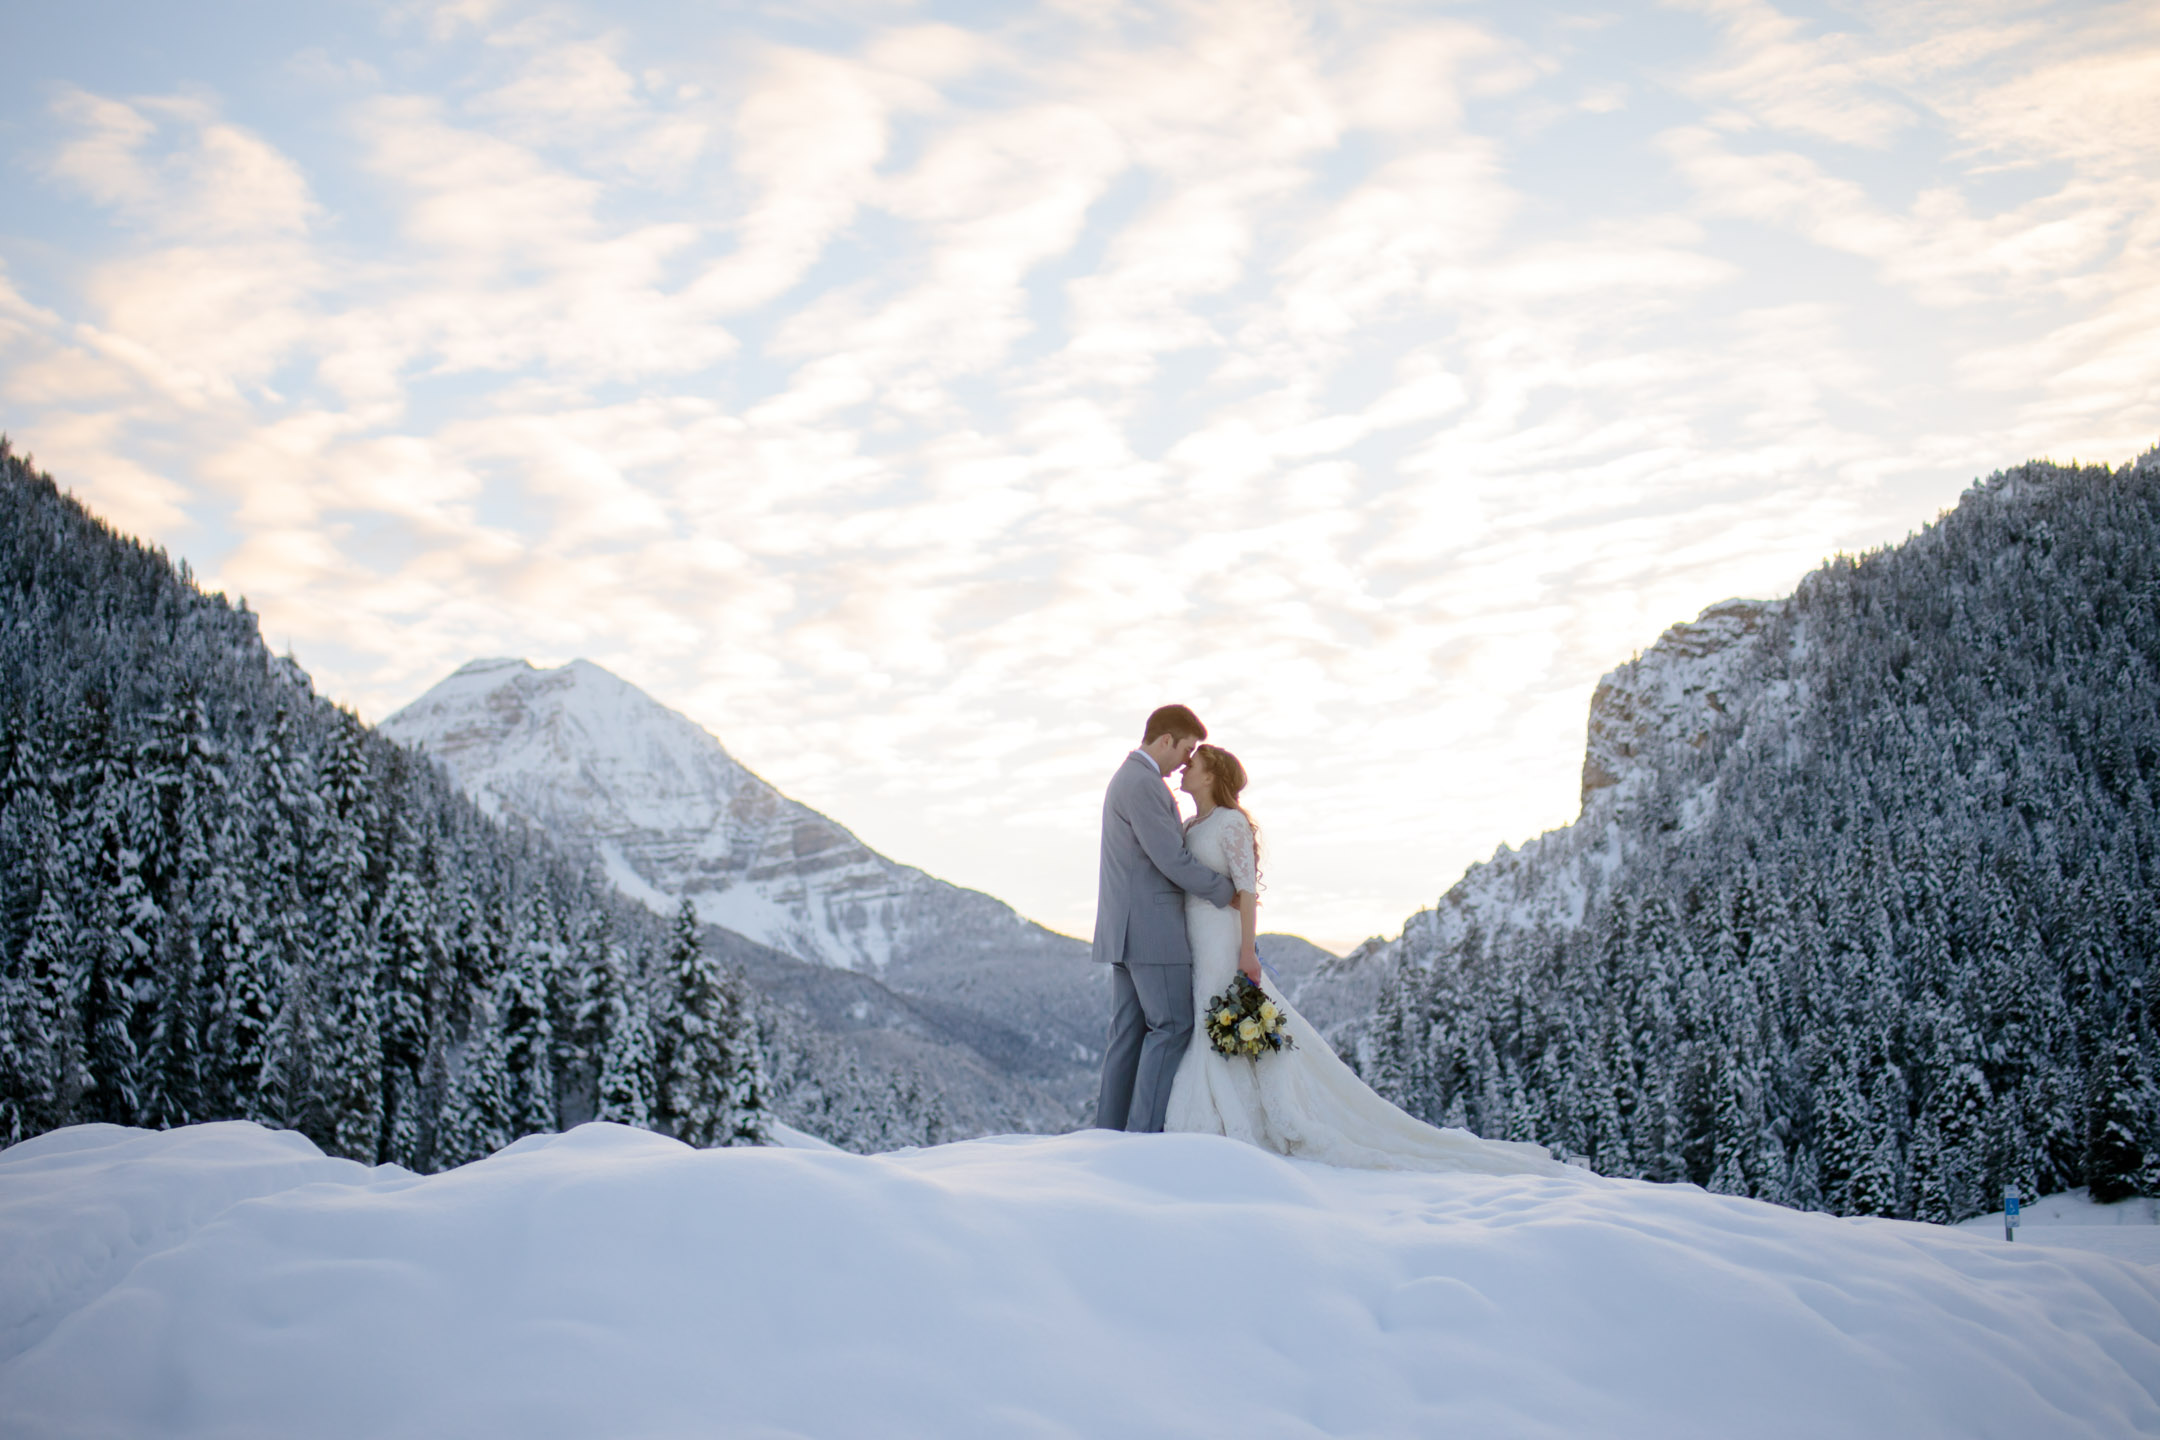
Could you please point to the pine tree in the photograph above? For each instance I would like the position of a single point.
(749, 1083)
(626, 1068)
(1393, 1042)
(241, 973)
(2116, 1159)
(348, 1110)
(108, 1047)
(476, 1114)
(172, 1078)
(694, 1061)
(113, 950)
(521, 1006)
(284, 824)
(613, 1022)
(1932, 1200)
(1846, 1138)
(408, 952)
(42, 1060)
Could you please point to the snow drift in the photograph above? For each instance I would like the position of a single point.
(225, 1279)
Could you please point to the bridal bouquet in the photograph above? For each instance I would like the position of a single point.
(1243, 1021)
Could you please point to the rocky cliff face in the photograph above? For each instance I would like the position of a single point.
(1693, 689)
(1675, 693)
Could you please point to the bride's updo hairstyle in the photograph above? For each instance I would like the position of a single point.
(1226, 781)
(1226, 777)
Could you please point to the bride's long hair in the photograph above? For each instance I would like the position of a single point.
(1226, 781)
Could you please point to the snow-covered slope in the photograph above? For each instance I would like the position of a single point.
(613, 1282)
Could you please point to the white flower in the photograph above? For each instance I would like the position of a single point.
(1268, 1012)
(1248, 1030)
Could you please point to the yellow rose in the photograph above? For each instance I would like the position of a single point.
(1268, 1012)
(1224, 1017)
(1248, 1030)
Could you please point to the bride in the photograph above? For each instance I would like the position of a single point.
(1303, 1101)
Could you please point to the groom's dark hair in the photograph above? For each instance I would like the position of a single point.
(1175, 721)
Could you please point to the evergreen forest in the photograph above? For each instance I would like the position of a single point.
(1882, 941)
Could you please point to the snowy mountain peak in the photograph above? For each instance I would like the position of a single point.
(593, 760)
(1675, 691)
(589, 757)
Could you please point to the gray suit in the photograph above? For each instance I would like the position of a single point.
(1140, 934)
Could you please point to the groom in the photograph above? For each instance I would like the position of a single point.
(1140, 924)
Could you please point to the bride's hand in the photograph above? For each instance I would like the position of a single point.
(1249, 961)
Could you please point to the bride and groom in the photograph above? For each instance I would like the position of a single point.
(1176, 915)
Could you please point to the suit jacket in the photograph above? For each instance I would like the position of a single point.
(1146, 870)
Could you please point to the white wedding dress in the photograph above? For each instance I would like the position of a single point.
(1304, 1101)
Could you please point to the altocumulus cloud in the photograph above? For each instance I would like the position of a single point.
(918, 398)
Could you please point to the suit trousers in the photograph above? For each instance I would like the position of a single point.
(1151, 1022)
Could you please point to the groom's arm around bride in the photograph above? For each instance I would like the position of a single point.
(1140, 924)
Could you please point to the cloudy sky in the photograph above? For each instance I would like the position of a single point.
(917, 394)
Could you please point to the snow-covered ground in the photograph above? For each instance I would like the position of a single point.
(2127, 1229)
(227, 1280)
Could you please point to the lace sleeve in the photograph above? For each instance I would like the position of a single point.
(1244, 865)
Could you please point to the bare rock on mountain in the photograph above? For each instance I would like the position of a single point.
(1676, 692)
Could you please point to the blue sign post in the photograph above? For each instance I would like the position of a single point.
(2010, 1214)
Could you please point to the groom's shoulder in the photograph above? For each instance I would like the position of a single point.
(1133, 770)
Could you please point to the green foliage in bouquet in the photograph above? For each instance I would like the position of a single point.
(1244, 1021)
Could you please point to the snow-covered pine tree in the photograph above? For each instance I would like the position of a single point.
(114, 950)
(241, 971)
(750, 1084)
(285, 821)
(476, 1113)
(614, 1026)
(172, 1076)
(521, 1008)
(2117, 1160)
(693, 1054)
(409, 951)
(182, 768)
(42, 1063)
(572, 1055)
(348, 1094)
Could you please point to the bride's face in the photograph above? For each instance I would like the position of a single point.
(1194, 781)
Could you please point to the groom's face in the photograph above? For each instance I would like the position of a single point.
(1181, 753)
